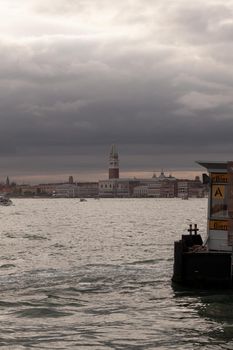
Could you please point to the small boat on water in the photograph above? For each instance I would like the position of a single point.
(5, 201)
(83, 200)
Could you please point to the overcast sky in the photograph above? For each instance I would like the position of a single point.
(154, 77)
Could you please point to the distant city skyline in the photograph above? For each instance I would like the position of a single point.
(96, 176)
(112, 161)
(34, 180)
(154, 77)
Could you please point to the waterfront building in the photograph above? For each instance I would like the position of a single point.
(191, 188)
(148, 188)
(88, 189)
(27, 190)
(168, 188)
(121, 188)
(34, 190)
(77, 190)
(66, 191)
(140, 191)
(161, 186)
(46, 189)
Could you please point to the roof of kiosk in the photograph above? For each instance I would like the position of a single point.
(215, 166)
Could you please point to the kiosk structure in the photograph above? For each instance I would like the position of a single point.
(209, 263)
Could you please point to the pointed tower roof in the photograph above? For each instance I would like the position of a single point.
(7, 181)
(113, 151)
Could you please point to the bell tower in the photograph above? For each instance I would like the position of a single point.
(113, 171)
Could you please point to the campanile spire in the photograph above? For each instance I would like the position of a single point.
(113, 170)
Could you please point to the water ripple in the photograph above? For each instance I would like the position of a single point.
(98, 276)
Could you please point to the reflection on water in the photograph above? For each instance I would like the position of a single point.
(97, 275)
(216, 308)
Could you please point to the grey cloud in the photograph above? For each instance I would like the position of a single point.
(165, 96)
(200, 23)
(75, 7)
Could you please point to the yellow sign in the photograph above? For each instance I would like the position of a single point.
(218, 225)
(218, 192)
(219, 178)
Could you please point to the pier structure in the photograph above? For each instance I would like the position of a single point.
(209, 262)
(220, 206)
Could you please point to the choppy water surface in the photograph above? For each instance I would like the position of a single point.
(96, 275)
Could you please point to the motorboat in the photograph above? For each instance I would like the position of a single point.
(5, 201)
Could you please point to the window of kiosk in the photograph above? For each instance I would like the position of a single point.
(218, 207)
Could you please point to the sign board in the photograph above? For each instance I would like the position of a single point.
(218, 192)
(219, 178)
(221, 225)
(230, 202)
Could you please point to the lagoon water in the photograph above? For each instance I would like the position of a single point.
(97, 275)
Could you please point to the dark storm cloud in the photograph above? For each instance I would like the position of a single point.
(154, 79)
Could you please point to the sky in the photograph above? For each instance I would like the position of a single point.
(152, 76)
